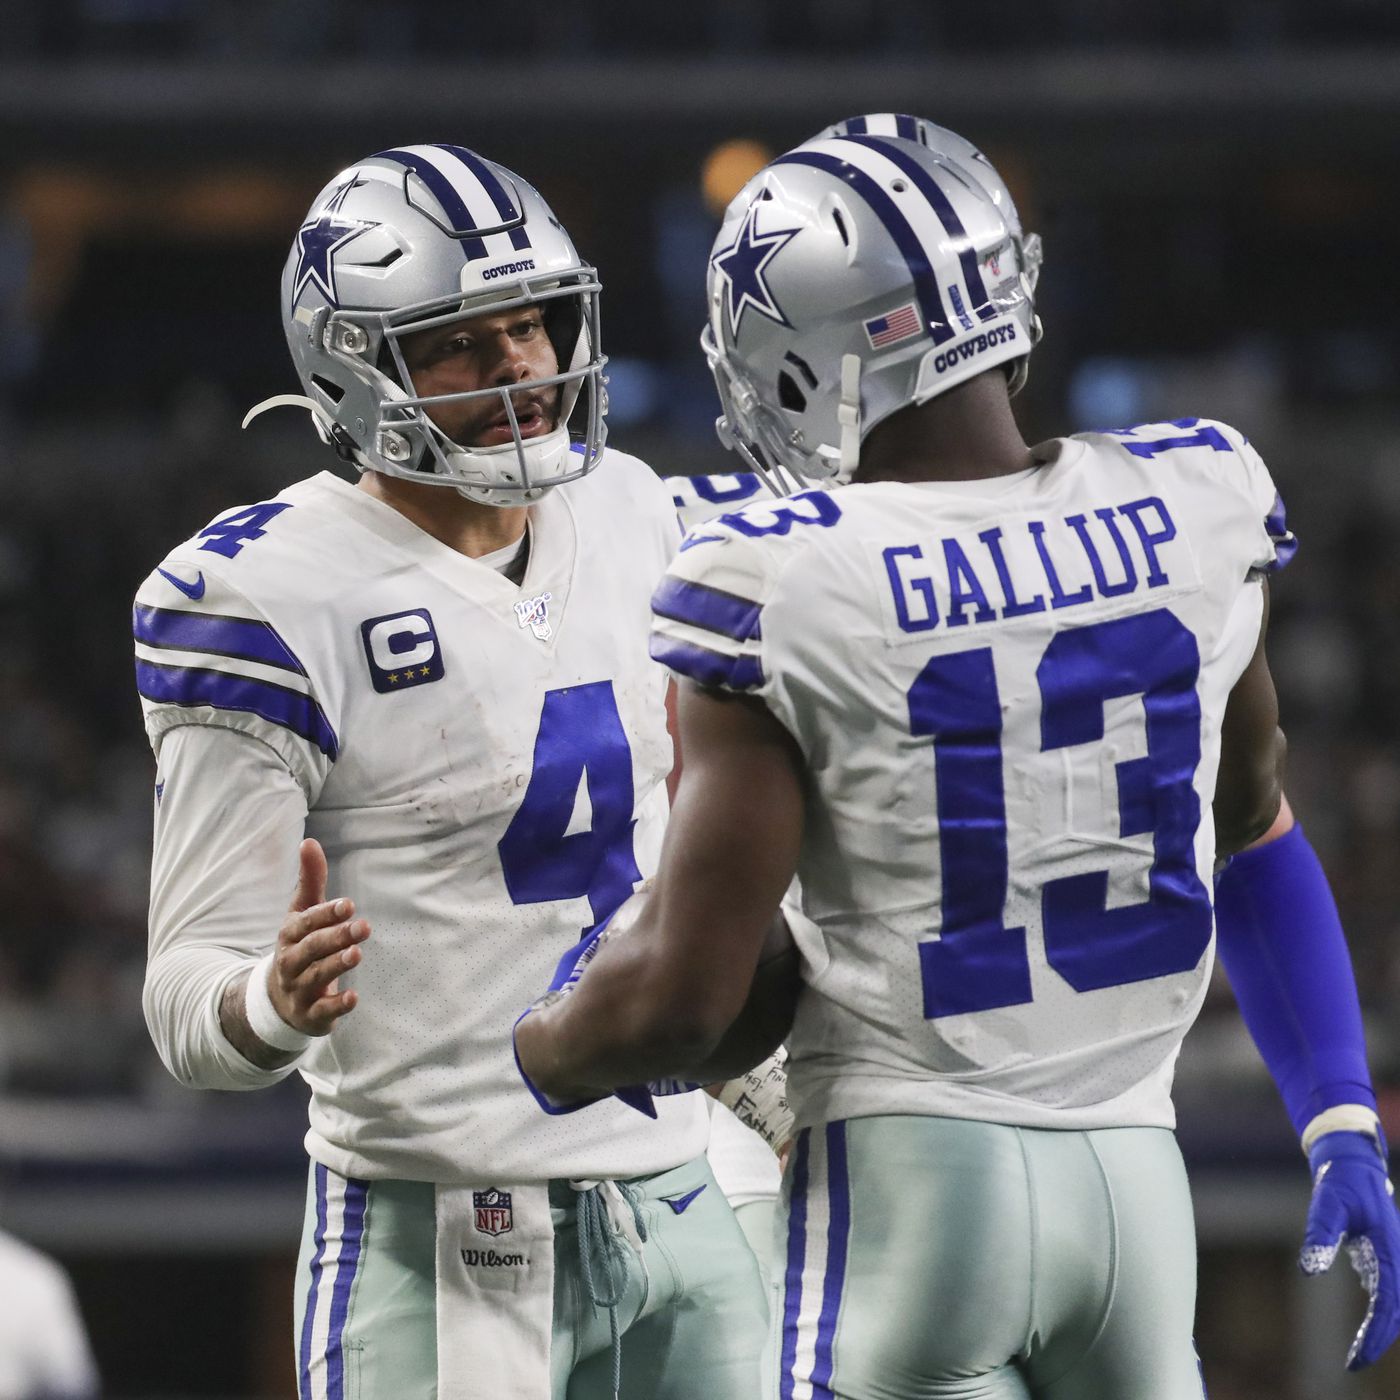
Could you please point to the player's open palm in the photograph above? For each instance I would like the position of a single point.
(319, 941)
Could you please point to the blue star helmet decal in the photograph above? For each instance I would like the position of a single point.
(742, 264)
(317, 243)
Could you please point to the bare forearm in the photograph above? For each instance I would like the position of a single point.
(611, 1031)
(1248, 805)
(760, 1028)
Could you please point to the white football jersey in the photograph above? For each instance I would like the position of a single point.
(1009, 694)
(484, 765)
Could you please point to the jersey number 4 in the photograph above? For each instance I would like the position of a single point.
(580, 740)
(977, 963)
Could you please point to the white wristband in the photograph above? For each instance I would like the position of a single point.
(263, 1019)
(1341, 1118)
(758, 1100)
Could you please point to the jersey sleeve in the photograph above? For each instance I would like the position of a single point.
(1276, 544)
(229, 819)
(206, 655)
(707, 611)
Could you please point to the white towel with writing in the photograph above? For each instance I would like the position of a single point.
(495, 1292)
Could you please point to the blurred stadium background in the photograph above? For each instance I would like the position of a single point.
(1217, 188)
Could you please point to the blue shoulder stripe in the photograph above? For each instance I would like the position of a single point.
(710, 608)
(243, 638)
(935, 318)
(711, 668)
(192, 685)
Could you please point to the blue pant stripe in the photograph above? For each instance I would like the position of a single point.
(351, 1234)
(838, 1235)
(308, 1322)
(796, 1257)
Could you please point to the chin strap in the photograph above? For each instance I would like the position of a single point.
(288, 401)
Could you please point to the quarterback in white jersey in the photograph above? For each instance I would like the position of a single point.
(1001, 708)
(430, 690)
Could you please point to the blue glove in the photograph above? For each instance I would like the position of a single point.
(1353, 1201)
(567, 975)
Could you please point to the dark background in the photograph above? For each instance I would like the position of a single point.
(1216, 187)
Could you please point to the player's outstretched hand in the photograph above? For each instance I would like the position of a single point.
(318, 941)
(1353, 1201)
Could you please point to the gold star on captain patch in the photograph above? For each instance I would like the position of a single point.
(422, 670)
(393, 678)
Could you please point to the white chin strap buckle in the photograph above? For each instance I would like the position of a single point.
(848, 416)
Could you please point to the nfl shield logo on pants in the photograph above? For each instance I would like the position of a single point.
(493, 1215)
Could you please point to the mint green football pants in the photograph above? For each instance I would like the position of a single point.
(942, 1259)
(692, 1310)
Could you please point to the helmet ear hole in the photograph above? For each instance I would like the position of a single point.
(790, 396)
(324, 386)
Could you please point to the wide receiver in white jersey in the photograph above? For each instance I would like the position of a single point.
(1001, 708)
(439, 677)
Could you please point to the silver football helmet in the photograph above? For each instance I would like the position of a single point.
(961, 152)
(852, 277)
(418, 237)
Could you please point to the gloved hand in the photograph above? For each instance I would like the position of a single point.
(567, 975)
(1353, 1201)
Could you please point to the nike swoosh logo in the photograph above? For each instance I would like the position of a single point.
(679, 1203)
(193, 591)
(693, 540)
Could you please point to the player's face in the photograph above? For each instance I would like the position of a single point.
(484, 352)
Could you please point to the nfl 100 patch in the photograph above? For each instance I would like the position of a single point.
(402, 650)
(492, 1212)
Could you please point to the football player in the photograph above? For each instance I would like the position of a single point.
(424, 699)
(1002, 707)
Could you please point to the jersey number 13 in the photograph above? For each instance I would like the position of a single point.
(978, 963)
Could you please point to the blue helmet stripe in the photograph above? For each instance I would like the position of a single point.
(906, 127)
(445, 194)
(947, 216)
(499, 195)
(935, 318)
(857, 124)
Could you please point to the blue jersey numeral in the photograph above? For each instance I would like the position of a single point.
(1202, 437)
(805, 508)
(580, 740)
(977, 963)
(723, 489)
(228, 534)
